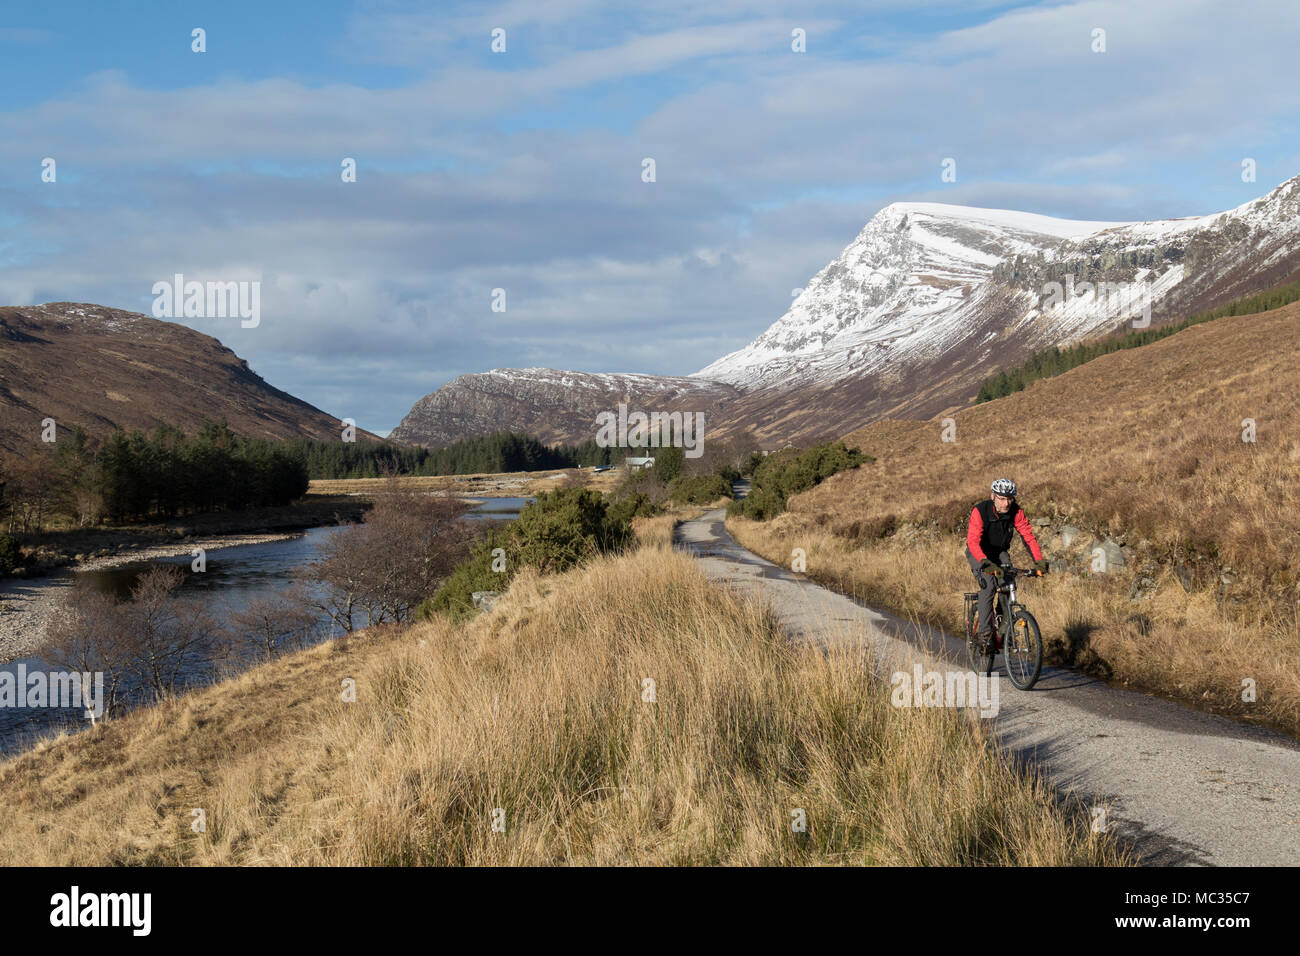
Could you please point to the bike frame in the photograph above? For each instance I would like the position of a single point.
(1006, 597)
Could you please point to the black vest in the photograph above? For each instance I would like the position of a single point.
(999, 530)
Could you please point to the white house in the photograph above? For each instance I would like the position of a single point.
(637, 464)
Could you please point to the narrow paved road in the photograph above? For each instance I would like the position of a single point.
(1184, 787)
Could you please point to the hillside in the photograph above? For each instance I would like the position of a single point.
(1136, 456)
(1146, 441)
(102, 368)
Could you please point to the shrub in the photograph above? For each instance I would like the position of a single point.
(476, 573)
(789, 472)
(668, 463)
(634, 505)
(557, 531)
(699, 489)
(563, 527)
(10, 556)
(644, 482)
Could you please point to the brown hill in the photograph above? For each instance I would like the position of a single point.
(102, 368)
(1146, 441)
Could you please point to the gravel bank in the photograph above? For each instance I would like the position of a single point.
(27, 605)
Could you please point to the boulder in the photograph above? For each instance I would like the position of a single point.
(486, 600)
(1113, 553)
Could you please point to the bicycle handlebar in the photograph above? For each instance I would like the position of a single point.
(1032, 572)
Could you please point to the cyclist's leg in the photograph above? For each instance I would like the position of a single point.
(985, 584)
(1004, 559)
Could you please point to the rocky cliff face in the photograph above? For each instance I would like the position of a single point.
(552, 405)
(101, 368)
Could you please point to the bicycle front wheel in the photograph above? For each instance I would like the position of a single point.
(1022, 650)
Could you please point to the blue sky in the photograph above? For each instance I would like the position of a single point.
(522, 170)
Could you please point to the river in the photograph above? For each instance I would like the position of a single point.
(232, 578)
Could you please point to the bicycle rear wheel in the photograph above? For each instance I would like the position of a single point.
(1022, 650)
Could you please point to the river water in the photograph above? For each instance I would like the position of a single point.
(232, 578)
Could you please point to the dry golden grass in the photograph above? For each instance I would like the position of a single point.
(538, 709)
(1143, 444)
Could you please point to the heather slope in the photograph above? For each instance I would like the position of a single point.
(101, 368)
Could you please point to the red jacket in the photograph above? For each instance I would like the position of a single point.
(975, 534)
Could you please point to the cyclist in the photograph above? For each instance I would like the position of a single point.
(992, 528)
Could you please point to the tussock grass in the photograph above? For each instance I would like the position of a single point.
(539, 709)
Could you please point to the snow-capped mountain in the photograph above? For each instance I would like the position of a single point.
(927, 301)
(920, 276)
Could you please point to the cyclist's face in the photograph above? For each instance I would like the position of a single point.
(1001, 502)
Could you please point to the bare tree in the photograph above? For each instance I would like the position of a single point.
(31, 488)
(722, 453)
(268, 624)
(90, 636)
(395, 558)
(165, 632)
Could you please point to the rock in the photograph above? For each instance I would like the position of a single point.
(1185, 578)
(1042, 522)
(1068, 533)
(486, 600)
(1143, 587)
(1112, 553)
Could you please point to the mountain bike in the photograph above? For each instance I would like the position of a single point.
(1015, 632)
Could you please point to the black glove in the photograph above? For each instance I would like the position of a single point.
(988, 567)
(1041, 565)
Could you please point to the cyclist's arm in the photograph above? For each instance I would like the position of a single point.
(975, 531)
(1027, 533)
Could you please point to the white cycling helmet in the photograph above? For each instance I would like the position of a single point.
(1004, 486)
